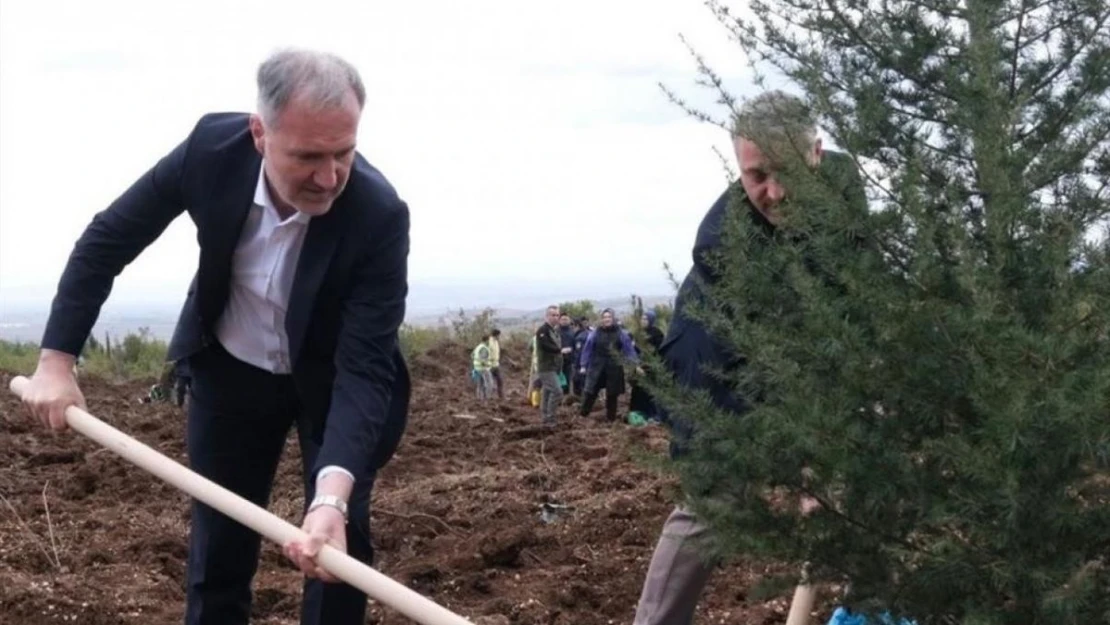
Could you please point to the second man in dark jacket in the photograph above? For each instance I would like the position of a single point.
(549, 363)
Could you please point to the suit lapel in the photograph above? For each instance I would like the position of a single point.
(230, 204)
(319, 246)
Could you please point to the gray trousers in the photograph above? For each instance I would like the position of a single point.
(485, 384)
(551, 395)
(677, 574)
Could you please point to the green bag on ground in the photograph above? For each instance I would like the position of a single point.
(636, 419)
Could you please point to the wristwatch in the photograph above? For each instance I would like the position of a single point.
(329, 500)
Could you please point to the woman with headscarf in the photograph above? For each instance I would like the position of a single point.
(640, 401)
(603, 366)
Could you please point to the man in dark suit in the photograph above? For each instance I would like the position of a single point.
(677, 574)
(291, 321)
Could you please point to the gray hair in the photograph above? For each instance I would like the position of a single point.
(324, 78)
(776, 117)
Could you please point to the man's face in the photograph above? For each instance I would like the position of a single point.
(606, 320)
(552, 316)
(758, 175)
(309, 152)
(564, 320)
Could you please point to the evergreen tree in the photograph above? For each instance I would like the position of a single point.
(934, 371)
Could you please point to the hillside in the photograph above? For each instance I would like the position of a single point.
(457, 516)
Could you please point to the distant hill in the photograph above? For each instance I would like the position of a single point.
(28, 325)
(513, 318)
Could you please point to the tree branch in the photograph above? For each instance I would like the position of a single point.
(865, 44)
(1017, 49)
(1067, 63)
(827, 505)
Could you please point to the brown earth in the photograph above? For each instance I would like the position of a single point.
(456, 516)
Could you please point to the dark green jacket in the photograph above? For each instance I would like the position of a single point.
(549, 349)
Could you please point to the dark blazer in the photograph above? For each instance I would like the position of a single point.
(347, 300)
(689, 351)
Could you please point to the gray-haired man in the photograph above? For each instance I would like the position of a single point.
(766, 126)
(291, 321)
(550, 353)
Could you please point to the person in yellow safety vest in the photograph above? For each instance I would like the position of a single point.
(495, 362)
(480, 373)
(533, 378)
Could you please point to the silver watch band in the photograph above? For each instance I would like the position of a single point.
(329, 500)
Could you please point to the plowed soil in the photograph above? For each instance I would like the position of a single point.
(88, 538)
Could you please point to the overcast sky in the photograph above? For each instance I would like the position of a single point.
(530, 140)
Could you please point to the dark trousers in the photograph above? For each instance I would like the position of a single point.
(578, 383)
(239, 417)
(640, 400)
(568, 374)
(613, 383)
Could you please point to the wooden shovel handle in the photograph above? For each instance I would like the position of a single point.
(804, 598)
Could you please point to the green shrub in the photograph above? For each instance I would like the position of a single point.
(18, 357)
(139, 355)
(418, 340)
(470, 330)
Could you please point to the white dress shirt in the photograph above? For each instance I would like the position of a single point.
(252, 326)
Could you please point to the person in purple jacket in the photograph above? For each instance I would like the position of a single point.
(602, 365)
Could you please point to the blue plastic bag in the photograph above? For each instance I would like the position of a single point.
(843, 616)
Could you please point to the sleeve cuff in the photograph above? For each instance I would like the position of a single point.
(331, 468)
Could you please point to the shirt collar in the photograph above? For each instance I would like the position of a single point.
(262, 198)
